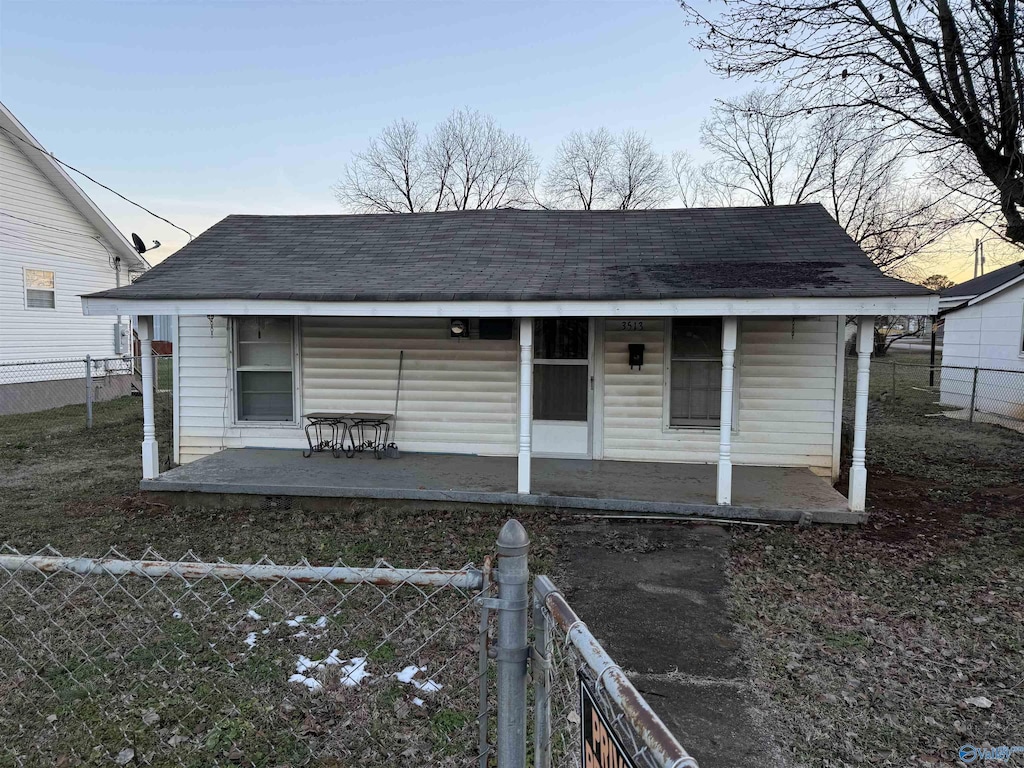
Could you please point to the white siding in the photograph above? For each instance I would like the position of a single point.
(986, 335)
(79, 263)
(785, 397)
(457, 396)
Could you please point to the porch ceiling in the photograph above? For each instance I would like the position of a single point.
(759, 493)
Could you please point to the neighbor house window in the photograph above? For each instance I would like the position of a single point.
(39, 289)
(264, 369)
(695, 372)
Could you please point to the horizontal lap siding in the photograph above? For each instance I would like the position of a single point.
(79, 262)
(457, 396)
(785, 391)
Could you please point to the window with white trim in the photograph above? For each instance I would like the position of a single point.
(264, 369)
(40, 291)
(695, 372)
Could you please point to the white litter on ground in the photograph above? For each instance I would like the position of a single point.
(352, 674)
(418, 701)
(253, 615)
(320, 623)
(250, 639)
(176, 614)
(408, 675)
(296, 621)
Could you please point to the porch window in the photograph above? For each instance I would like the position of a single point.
(40, 292)
(695, 373)
(264, 369)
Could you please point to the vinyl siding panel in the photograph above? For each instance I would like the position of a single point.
(785, 390)
(80, 265)
(457, 396)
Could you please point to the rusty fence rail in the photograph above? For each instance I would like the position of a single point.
(568, 664)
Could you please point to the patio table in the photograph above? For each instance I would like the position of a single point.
(379, 424)
(317, 424)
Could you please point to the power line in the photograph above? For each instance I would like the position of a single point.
(94, 181)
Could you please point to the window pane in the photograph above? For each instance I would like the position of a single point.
(560, 392)
(265, 396)
(696, 393)
(561, 338)
(696, 337)
(40, 299)
(39, 278)
(265, 342)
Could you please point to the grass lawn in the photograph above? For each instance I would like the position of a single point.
(877, 645)
(899, 641)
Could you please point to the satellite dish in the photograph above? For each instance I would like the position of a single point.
(139, 245)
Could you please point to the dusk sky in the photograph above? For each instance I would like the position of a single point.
(200, 110)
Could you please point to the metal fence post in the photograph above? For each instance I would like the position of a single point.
(974, 394)
(88, 391)
(893, 379)
(512, 650)
(541, 686)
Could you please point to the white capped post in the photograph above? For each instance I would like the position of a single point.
(858, 470)
(150, 452)
(525, 400)
(729, 326)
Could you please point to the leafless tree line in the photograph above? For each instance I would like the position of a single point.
(764, 150)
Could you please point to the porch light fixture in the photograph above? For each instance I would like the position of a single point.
(459, 328)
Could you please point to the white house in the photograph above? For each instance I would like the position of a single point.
(983, 348)
(635, 356)
(55, 246)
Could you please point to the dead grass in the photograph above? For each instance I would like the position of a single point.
(876, 645)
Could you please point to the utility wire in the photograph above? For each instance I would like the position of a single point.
(45, 226)
(94, 181)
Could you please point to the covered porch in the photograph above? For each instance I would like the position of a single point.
(626, 487)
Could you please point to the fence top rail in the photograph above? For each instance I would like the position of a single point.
(468, 578)
(69, 360)
(651, 730)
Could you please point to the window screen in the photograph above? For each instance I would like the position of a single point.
(39, 289)
(264, 371)
(695, 373)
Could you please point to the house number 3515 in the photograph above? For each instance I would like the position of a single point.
(632, 325)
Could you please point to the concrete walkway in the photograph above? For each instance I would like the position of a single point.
(759, 493)
(655, 596)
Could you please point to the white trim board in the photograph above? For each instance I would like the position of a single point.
(904, 305)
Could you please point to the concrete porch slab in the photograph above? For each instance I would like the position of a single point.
(759, 493)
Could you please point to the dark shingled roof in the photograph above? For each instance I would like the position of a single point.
(515, 255)
(986, 283)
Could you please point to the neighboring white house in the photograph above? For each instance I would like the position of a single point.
(984, 330)
(697, 336)
(55, 246)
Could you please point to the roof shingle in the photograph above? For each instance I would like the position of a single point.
(516, 255)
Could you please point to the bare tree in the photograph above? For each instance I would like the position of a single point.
(466, 162)
(764, 149)
(639, 177)
(937, 282)
(598, 170)
(948, 73)
(699, 184)
(580, 175)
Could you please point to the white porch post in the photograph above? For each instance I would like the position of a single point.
(858, 471)
(150, 453)
(525, 400)
(729, 325)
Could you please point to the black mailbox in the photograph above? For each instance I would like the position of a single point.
(636, 356)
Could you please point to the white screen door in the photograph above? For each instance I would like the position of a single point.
(561, 386)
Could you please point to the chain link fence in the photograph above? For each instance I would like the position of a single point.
(112, 661)
(42, 396)
(972, 394)
(150, 662)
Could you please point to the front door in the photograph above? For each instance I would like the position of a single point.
(562, 407)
